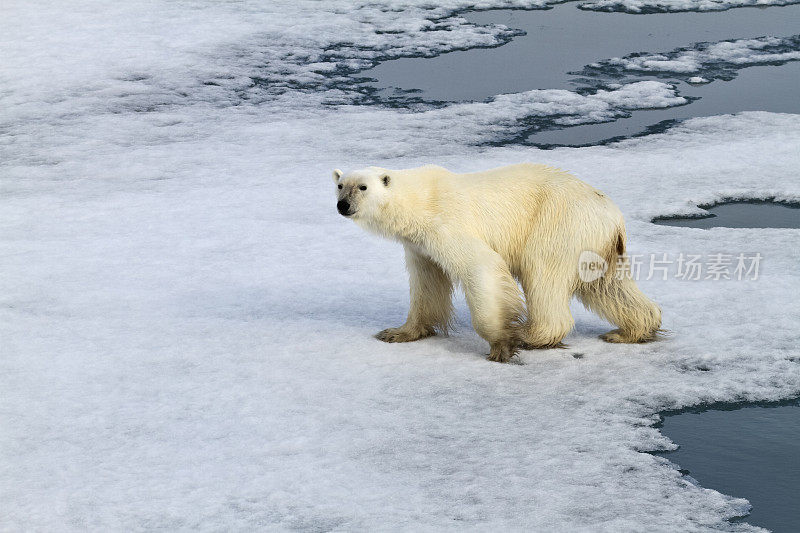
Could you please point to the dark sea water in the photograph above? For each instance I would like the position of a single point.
(742, 215)
(563, 40)
(749, 452)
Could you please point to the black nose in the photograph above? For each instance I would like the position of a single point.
(343, 206)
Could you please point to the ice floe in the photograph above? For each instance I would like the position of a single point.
(718, 60)
(185, 320)
(667, 6)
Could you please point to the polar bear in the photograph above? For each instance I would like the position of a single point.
(489, 230)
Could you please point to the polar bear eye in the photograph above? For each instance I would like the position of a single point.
(340, 185)
(363, 187)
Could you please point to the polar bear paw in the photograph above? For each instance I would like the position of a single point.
(541, 346)
(502, 352)
(620, 336)
(403, 334)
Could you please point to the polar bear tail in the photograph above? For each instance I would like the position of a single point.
(617, 298)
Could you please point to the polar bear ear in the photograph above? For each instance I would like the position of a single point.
(385, 179)
(336, 174)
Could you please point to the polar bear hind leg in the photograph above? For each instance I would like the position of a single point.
(619, 300)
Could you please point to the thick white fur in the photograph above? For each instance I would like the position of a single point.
(489, 230)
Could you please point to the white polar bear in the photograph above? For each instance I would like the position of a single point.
(488, 230)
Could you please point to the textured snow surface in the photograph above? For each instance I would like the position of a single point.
(149, 54)
(505, 115)
(667, 6)
(209, 58)
(714, 60)
(185, 321)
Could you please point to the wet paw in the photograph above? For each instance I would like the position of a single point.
(501, 353)
(401, 335)
(619, 336)
(614, 336)
(530, 346)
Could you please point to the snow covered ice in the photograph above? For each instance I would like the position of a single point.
(671, 6)
(186, 332)
(714, 60)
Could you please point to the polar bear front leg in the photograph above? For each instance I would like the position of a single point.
(431, 300)
(492, 294)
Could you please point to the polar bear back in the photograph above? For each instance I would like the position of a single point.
(504, 205)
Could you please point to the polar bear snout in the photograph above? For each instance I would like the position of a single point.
(343, 206)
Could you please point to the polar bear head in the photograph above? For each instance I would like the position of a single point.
(362, 194)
